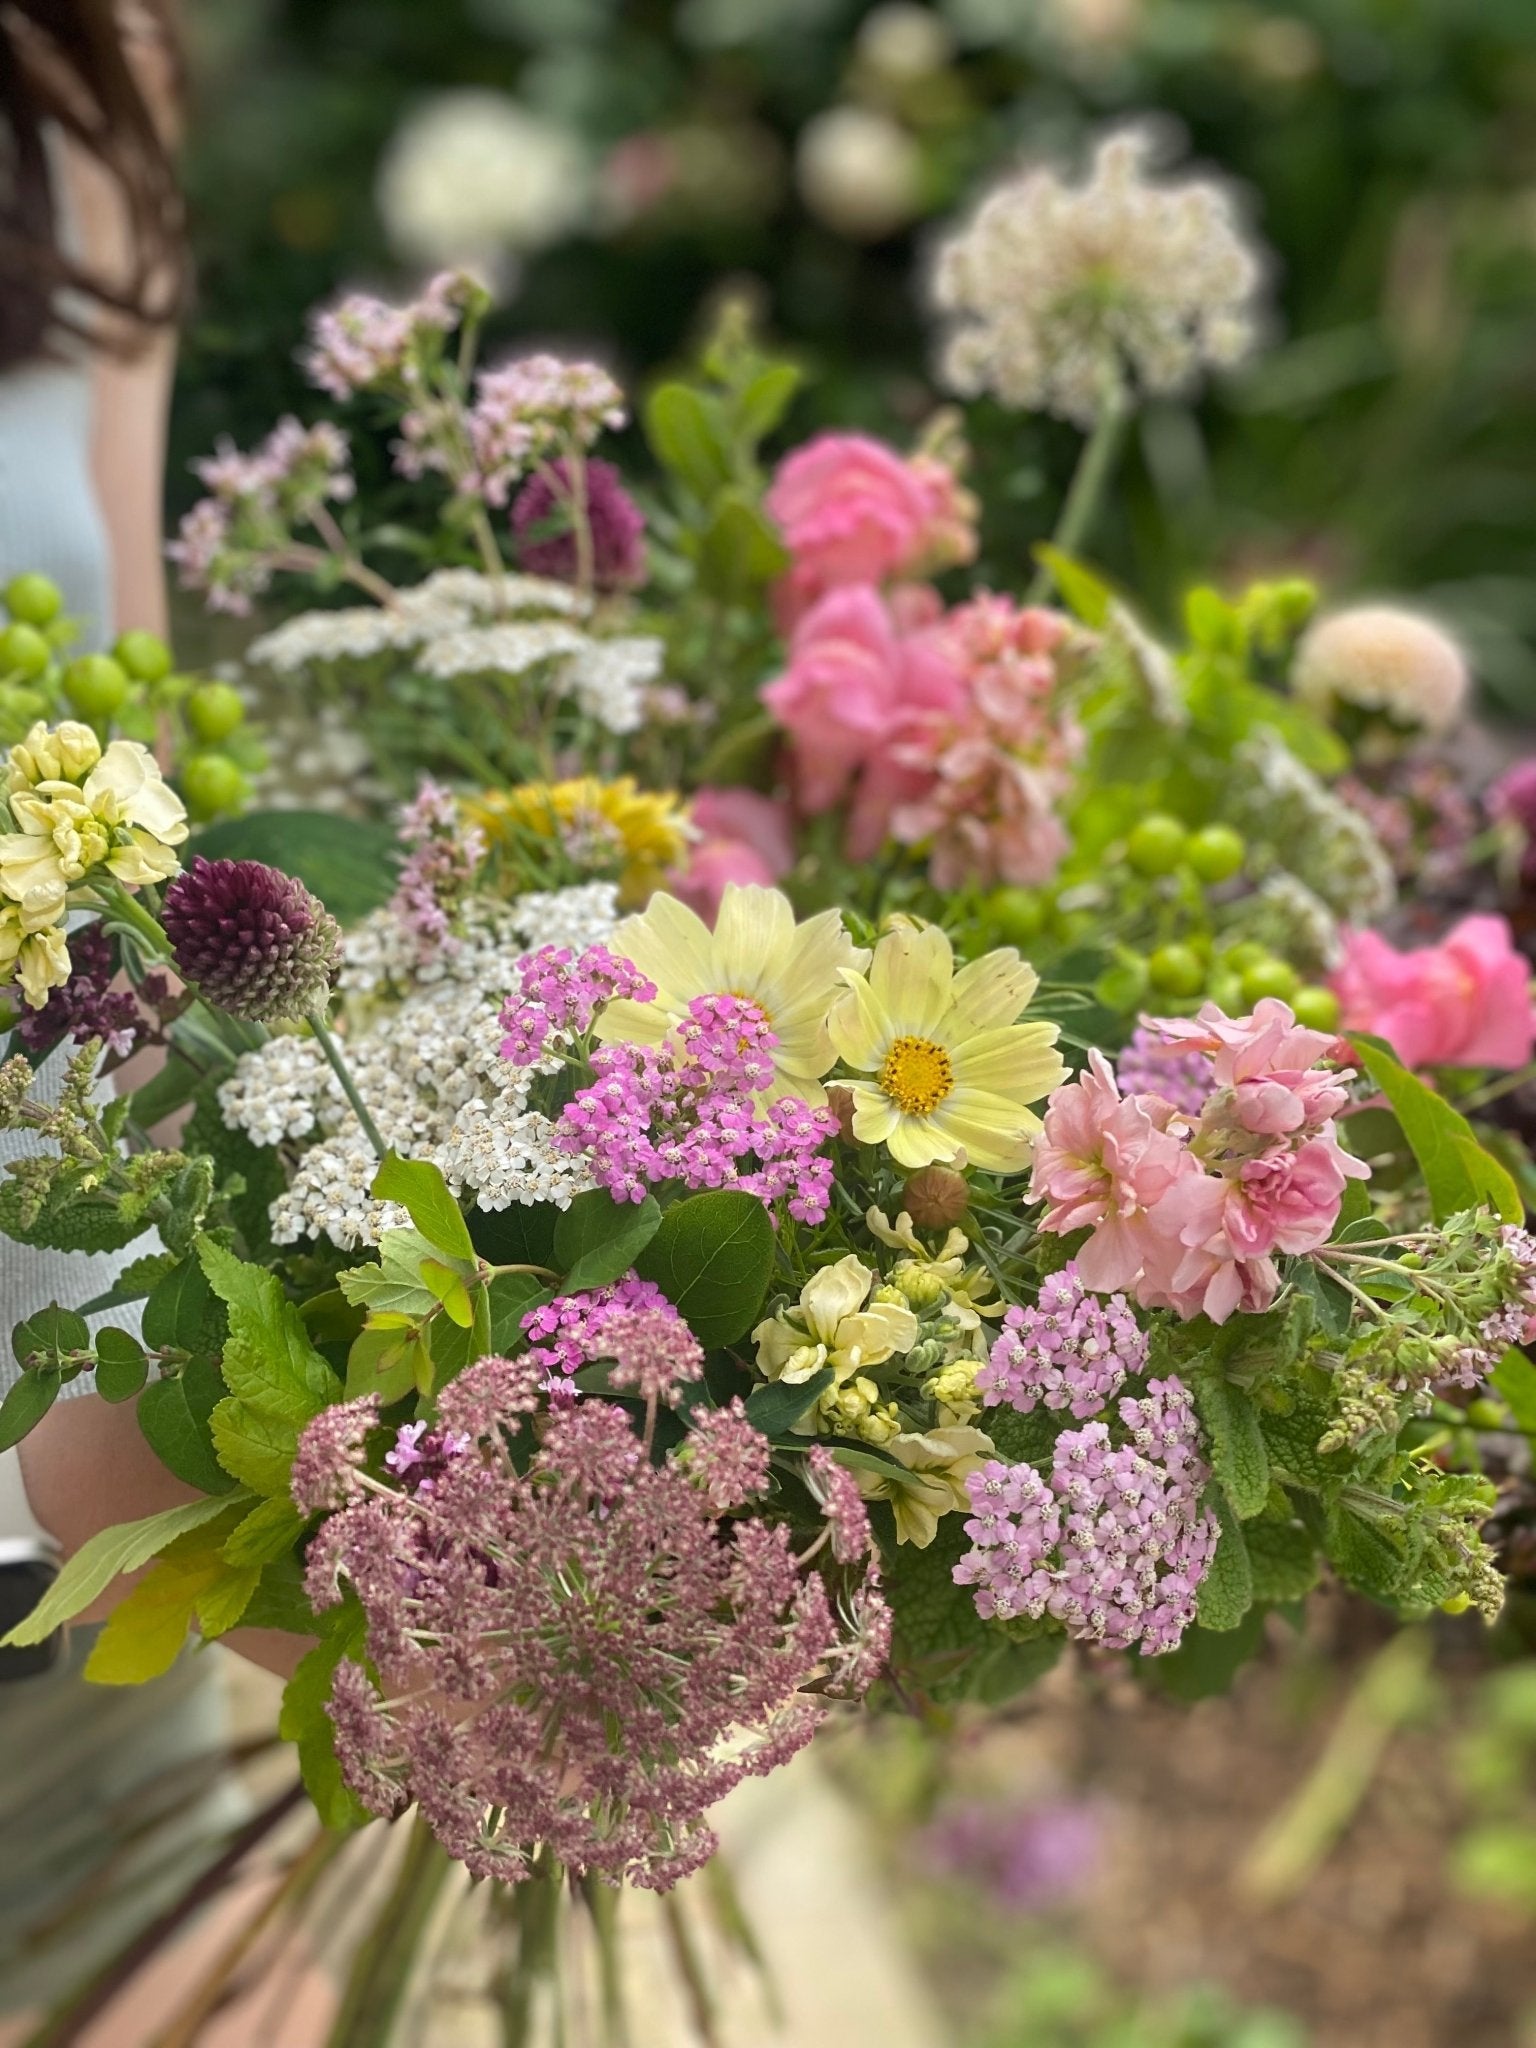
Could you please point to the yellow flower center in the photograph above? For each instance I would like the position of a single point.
(916, 1075)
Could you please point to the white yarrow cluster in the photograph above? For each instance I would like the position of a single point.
(429, 1068)
(1067, 298)
(448, 602)
(506, 650)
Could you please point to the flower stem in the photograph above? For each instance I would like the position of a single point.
(340, 1069)
(1080, 509)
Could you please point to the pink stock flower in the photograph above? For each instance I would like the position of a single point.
(1463, 1003)
(745, 838)
(854, 677)
(854, 511)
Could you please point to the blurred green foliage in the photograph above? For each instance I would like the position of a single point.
(1387, 440)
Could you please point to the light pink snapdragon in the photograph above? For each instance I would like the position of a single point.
(1463, 1003)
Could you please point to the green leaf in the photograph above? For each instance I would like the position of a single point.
(1238, 1455)
(108, 1554)
(740, 553)
(1334, 1307)
(1364, 1556)
(183, 1313)
(254, 1445)
(394, 1286)
(763, 402)
(268, 1532)
(268, 1358)
(512, 1295)
(382, 1362)
(175, 1420)
(25, 1405)
(121, 1367)
(941, 1642)
(349, 863)
(1283, 1557)
(418, 1186)
(683, 429)
(146, 1630)
(303, 1720)
(1515, 1379)
(44, 1335)
(449, 1289)
(776, 1409)
(598, 1239)
(713, 1258)
(1457, 1172)
(1085, 594)
(1226, 1592)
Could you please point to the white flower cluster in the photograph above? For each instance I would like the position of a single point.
(1277, 800)
(1382, 657)
(430, 1070)
(1069, 297)
(459, 622)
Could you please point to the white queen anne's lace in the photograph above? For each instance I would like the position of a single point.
(1067, 297)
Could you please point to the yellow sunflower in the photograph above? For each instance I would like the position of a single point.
(790, 972)
(953, 1068)
(644, 831)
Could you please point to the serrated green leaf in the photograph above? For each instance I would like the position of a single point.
(106, 1556)
(1237, 1450)
(175, 1419)
(254, 1445)
(598, 1240)
(395, 1285)
(1293, 1439)
(26, 1402)
(1364, 1556)
(712, 1258)
(1226, 1591)
(269, 1362)
(777, 1408)
(418, 1186)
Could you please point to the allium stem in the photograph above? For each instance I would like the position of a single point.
(340, 1069)
(1085, 493)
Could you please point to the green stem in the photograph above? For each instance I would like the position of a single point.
(1492, 1090)
(384, 1964)
(1080, 509)
(340, 1069)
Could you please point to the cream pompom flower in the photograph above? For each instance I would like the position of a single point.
(830, 1325)
(954, 1070)
(1383, 657)
(756, 952)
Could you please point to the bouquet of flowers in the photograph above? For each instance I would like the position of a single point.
(612, 1307)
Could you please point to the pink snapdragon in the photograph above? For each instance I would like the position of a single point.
(1463, 1003)
(1189, 1210)
(743, 838)
(854, 511)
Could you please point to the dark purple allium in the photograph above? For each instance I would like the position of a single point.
(546, 546)
(252, 940)
(87, 1006)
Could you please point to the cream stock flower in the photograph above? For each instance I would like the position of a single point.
(832, 1326)
(937, 1463)
(756, 952)
(953, 1068)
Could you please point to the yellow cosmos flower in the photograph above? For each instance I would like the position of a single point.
(642, 831)
(953, 1068)
(791, 972)
(832, 1326)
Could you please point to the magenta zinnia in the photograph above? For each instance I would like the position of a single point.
(252, 940)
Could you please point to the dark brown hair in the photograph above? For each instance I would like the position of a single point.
(105, 75)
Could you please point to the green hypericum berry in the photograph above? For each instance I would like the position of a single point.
(23, 651)
(1177, 970)
(1123, 986)
(1245, 954)
(1226, 992)
(34, 600)
(211, 783)
(1316, 1007)
(144, 655)
(214, 710)
(95, 685)
(1015, 915)
(1156, 846)
(1270, 977)
(1216, 853)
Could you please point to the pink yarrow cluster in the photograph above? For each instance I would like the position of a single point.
(1114, 1544)
(578, 1655)
(1189, 1212)
(228, 543)
(568, 1333)
(685, 1111)
(1067, 1351)
(934, 728)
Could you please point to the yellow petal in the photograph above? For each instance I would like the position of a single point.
(911, 977)
(834, 1293)
(859, 1026)
(994, 989)
(754, 928)
(996, 1134)
(670, 946)
(1016, 1060)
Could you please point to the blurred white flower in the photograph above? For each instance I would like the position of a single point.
(902, 42)
(859, 172)
(474, 179)
(1380, 657)
(1068, 297)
